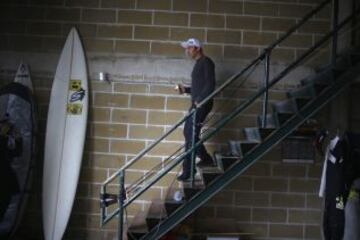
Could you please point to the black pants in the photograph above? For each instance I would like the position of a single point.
(335, 199)
(334, 221)
(188, 134)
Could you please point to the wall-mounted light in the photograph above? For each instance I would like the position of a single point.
(104, 77)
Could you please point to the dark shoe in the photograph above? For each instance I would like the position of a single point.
(207, 163)
(183, 177)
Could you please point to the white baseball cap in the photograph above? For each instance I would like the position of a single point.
(191, 42)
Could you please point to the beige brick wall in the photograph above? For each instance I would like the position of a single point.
(155, 27)
(272, 199)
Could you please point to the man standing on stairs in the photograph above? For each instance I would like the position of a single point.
(202, 85)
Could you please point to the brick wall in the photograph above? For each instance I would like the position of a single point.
(229, 29)
(137, 42)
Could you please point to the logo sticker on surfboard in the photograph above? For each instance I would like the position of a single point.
(74, 108)
(78, 95)
(75, 85)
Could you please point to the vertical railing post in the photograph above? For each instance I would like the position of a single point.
(266, 83)
(335, 21)
(193, 152)
(121, 205)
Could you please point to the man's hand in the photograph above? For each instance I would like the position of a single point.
(180, 88)
(196, 104)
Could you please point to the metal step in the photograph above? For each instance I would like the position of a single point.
(290, 105)
(256, 134)
(171, 204)
(217, 156)
(285, 106)
(210, 176)
(252, 134)
(241, 148)
(226, 160)
(234, 148)
(209, 173)
(323, 77)
(271, 121)
(301, 102)
(247, 146)
(138, 227)
(156, 213)
(275, 120)
(190, 191)
(308, 90)
(283, 117)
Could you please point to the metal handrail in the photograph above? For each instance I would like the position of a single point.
(263, 54)
(222, 122)
(275, 80)
(238, 109)
(219, 89)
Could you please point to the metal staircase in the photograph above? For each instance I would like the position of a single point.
(285, 118)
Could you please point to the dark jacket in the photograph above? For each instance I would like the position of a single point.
(202, 79)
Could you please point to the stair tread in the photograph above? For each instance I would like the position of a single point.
(284, 106)
(209, 177)
(217, 156)
(197, 185)
(209, 166)
(211, 170)
(246, 147)
(275, 119)
(283, 117)
(139, 224)
(307, 90)
(252, 134)
(301, 102)
(170, 193)
(171, 204)
(157, 209)
(291, 106)
(263, 132)
(270, 121)
(324, 77)
(226, 161)
(240, 148)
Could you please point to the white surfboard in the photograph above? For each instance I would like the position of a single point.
(65, 137)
